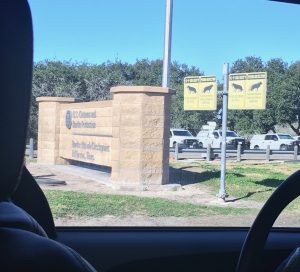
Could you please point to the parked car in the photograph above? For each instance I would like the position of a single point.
(183, 137)
(275, 141)
(297, 138)
(214, 138)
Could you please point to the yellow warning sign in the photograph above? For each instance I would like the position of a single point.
(200, 93)
(247, 91)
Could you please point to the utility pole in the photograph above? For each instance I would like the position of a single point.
(167, 47)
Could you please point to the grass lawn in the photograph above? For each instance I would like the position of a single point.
(247, 182)
(68, 203)
(253, 182)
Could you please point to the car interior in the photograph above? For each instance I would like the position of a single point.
(31, 242)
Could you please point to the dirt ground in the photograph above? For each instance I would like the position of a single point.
(191, 193)
(201, 221)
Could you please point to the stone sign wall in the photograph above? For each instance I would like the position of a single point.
(86, 132)
(129, 133)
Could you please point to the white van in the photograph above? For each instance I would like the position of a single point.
(275, 141)
(183, 137)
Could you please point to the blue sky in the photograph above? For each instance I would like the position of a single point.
(205, 33)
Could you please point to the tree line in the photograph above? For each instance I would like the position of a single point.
(88, 82)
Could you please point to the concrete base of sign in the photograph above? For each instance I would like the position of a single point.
(50, 182)
(136, 188)
(99, 177)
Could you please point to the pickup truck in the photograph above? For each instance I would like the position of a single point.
(183, 137)
(275, 141)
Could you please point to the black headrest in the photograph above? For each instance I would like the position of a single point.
(14, 217)
(16, 57)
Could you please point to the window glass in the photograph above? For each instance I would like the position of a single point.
(285, 136)
(182, 133)
(216, 135)
(99, 120)
(229, 134)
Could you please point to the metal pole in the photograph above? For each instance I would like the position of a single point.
(208, 152)
(295, 152)
(31, 149)
(176, 151)
(239, 151)
(168, 40)
(268, 153)
(222, 192)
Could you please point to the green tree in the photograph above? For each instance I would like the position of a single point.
(265, 120)
(98, 79)
(288, 98)
(52, 78)
(88, 82)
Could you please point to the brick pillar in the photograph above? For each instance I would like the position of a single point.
(141, 128)
(49, 128)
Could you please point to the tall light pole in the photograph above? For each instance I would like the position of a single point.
(168, 42)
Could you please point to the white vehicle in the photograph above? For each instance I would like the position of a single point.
(297, 138)
(209, 135)
(214, 138)
(275, 141)
(183, 137)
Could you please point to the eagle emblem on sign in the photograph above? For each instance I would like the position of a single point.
(68, 119)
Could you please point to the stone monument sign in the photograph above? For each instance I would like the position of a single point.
(129, 133)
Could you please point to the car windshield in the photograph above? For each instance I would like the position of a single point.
(285, 137)
(104, 101)
(230, 134)
(182, 133)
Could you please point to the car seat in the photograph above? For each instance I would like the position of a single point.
(25, 245)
